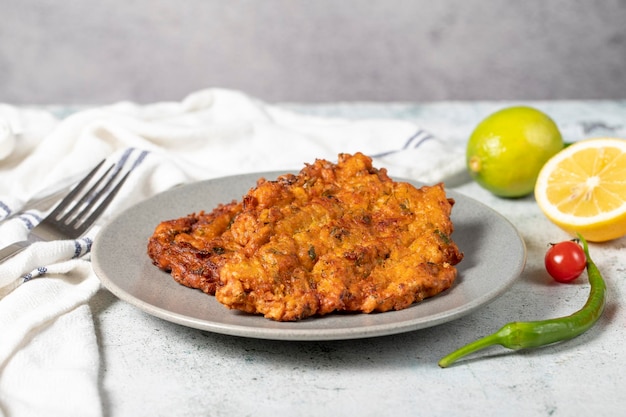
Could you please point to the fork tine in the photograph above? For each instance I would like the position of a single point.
(62, 206)
(86, 223)
(89, 198)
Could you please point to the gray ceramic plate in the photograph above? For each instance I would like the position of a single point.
(494, 252)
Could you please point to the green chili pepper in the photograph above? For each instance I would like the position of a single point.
(523, 335)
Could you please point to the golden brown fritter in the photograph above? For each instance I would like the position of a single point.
(335, 237)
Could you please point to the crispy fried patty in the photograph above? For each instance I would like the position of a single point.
(335, 237)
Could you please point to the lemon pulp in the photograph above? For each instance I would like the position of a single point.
(583, 189)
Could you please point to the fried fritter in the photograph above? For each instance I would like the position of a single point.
(335, 237)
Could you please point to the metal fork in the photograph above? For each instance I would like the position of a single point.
(75, 213)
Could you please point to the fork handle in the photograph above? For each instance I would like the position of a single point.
(12, 250)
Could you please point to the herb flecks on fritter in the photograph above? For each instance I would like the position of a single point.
(335, 237)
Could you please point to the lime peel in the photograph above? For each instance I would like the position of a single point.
(508, 148)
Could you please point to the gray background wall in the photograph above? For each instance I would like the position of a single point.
(84, 52)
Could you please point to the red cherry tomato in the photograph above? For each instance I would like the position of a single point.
(565, 261)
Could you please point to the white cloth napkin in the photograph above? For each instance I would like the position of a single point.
(48, 351)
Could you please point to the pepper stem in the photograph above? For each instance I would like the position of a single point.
(492, 339)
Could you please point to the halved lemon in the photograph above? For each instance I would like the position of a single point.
(583, 189)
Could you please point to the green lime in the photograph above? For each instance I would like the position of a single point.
(507, 150)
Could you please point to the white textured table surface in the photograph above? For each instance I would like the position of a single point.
(151, 367)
